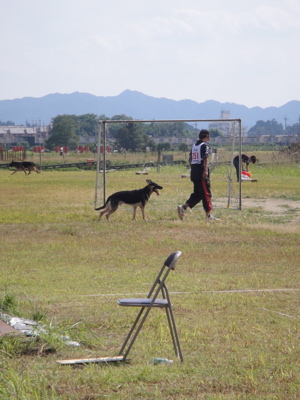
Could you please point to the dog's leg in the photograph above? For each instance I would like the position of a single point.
(111, 212)
(103, 212)
(143, 213)
(108, 210)
(134, 213)
(100, 215)
(14, 172)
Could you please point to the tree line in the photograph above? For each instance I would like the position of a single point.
(273, 128)
(67, 129)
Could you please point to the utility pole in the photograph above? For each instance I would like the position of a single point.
(285, 123)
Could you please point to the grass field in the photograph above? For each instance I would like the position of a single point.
(235, 291)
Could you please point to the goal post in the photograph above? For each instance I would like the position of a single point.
(230, 175)
(102, 140)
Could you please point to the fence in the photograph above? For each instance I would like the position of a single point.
(18, 153)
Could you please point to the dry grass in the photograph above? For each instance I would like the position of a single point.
(239, 329)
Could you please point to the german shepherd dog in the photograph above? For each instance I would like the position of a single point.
(135, 198)
(25, 166)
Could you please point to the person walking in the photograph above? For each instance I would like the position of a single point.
(199, 177)
(246, 160)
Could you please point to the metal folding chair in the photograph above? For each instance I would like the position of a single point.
(152, 301)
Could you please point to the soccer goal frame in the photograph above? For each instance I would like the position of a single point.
(102, 139)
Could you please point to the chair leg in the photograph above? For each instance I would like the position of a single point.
(174, 333)
(129, 340)
(130, 333)
(171, 331)
(172, 324)
(139, 327)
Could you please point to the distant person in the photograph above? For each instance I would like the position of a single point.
(199, 177)
(246, 160)
(61, 151)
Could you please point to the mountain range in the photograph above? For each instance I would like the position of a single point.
(138, 106)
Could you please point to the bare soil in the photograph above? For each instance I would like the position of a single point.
(275, 206)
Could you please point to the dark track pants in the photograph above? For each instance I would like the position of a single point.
(236, 164)
(201, 192)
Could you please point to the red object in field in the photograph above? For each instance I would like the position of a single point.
(18, 148)
(38, 149)
(108, 149)
(246, 174)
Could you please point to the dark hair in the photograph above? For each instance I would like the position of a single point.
(203, 133)
(253, 159)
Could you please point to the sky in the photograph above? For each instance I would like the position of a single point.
(244, 52)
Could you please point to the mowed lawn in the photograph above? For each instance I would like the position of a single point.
(235, 290)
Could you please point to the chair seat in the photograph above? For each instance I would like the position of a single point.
(143, 302)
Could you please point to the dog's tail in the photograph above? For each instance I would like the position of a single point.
(104, 205)
(100, 208)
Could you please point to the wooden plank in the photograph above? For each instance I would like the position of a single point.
(103, 360)
(6, 329)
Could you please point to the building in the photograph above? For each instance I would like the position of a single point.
(19, 134)
(224, 127)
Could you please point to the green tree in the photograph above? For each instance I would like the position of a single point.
(183, 147)
(164, 146)
(215, 133)
(7, 123)
(293, 129)
(132, 137)
(160, 129)
(113, 128)
(87, 124)
(270, 127)
(63, 132)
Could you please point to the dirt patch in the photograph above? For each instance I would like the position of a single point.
(274, 206)
(280, 206)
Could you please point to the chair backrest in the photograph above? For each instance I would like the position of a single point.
(163, 274)
(172, 259)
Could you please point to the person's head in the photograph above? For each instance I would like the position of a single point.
(253, 159)
(204, 134)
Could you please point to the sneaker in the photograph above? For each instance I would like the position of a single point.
(180, 211)
(210, 217)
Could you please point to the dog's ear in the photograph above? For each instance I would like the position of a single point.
(148, 181)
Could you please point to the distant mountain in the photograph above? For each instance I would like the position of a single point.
(138, 106)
